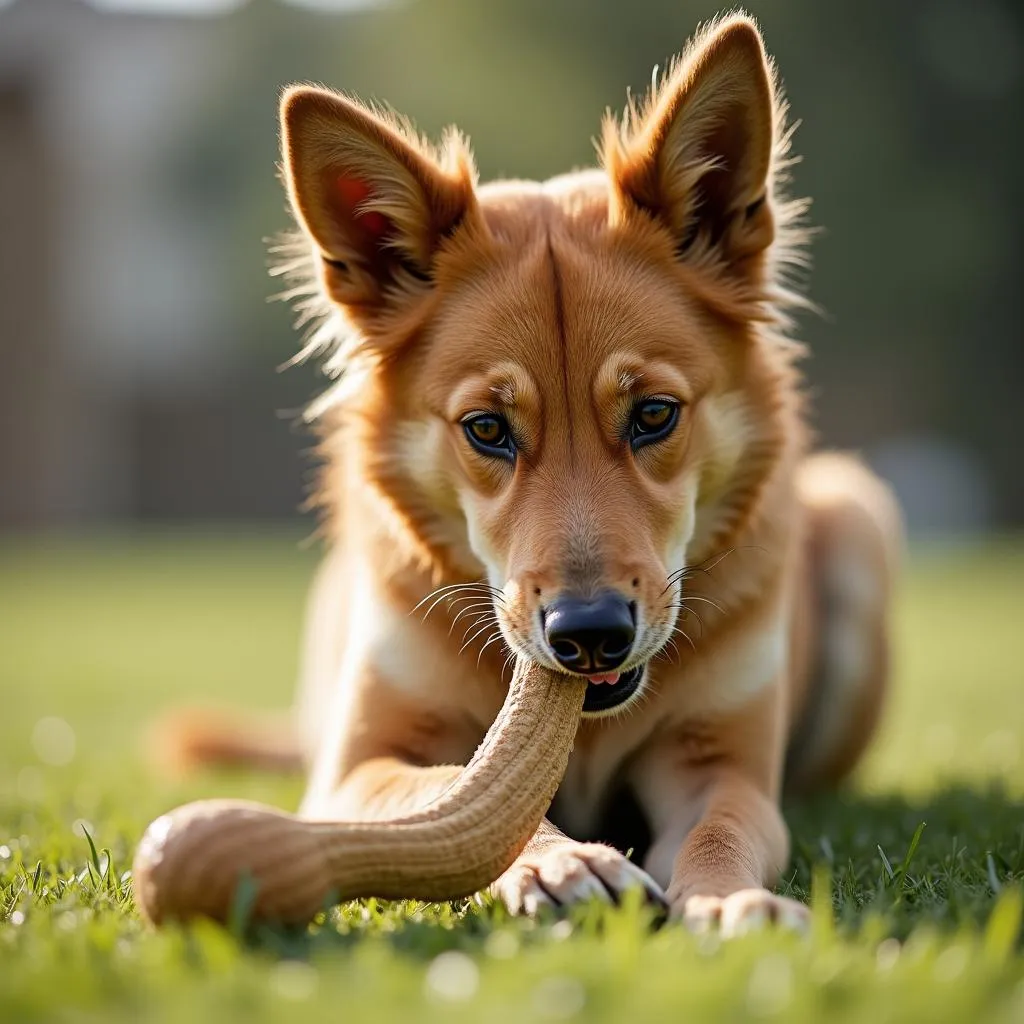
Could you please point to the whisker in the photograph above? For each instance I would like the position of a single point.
(700, 621)
(686, 636)
(433, 604)
(453, 600)
(473, 609)
(474, 621)
(497, 636)
(681, 573)
(704, 567)
(647, 694)
(485, 626)
(706, 600)
(449, 590)
(447, 598)
(675, 649)
(441, 591)
(477, 617)
(476, 592)
(480, 608)
(511, 657)
(686, 610)
(714, 560)
(478, 584)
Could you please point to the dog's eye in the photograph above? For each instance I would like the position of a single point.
(652, 421)
(489, 435)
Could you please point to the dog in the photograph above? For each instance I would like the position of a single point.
(568, 424)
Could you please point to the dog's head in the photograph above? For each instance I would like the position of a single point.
(568, 387)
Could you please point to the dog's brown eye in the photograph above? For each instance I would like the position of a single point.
(489, 435)
(486, 429)
(654, 415)
(652, 421)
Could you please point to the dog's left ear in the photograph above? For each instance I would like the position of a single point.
(698, 157)
(376, 200)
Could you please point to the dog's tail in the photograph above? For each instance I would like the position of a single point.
(183, 741)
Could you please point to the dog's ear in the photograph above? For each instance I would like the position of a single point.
(376, 200)
(698, 155)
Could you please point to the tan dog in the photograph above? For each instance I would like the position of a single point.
(568, 425)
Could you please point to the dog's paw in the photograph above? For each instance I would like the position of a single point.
(570, 872)
(741, 912)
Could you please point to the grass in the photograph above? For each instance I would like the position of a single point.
(915, 874)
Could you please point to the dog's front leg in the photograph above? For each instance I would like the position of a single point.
(711, 789)
(738, 847)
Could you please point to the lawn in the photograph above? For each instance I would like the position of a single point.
(915, 875)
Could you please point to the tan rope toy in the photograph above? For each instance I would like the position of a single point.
(191, 861)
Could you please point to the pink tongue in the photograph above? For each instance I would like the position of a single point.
(608, 677)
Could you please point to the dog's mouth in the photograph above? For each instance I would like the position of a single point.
(606, 696)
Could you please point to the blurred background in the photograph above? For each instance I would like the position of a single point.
(138, 140)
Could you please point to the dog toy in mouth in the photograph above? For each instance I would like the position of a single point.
(191, 861)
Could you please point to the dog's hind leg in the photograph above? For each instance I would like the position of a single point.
(854, 537)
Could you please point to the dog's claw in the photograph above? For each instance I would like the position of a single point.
(569, 872)
(742, 912)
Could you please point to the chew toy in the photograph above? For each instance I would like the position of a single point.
(192, 860)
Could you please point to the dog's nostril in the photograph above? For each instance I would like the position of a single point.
(567, 650)
(614, 649)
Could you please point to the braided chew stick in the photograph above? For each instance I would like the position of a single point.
(191, 860)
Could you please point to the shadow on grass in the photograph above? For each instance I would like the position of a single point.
(422, 931)
(970, 846)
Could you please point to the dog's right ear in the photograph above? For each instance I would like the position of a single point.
(376, 201)
(698, 156)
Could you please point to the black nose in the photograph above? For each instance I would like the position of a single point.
(590, 636)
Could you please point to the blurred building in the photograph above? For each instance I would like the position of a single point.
(123, 390)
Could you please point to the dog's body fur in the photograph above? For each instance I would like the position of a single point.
(760, 575)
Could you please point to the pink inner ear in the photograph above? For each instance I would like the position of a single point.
(353, 192)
